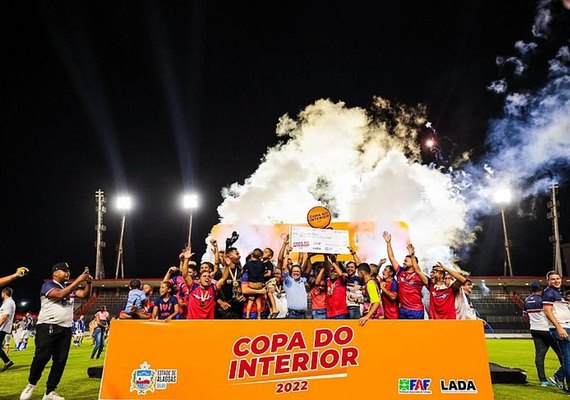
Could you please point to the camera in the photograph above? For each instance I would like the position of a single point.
(231, 240)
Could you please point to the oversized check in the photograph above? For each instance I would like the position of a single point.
(324, 241)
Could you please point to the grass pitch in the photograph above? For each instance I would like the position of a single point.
(75, 383)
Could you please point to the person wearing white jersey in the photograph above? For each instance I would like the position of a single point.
(557, 310)
(533, 314)
(53, 329)
(7, 311)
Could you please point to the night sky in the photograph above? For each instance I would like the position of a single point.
(153, 98)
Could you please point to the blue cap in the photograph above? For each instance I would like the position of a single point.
(535, 286)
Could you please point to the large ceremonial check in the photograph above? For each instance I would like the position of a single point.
(309, 359)
(323, 241)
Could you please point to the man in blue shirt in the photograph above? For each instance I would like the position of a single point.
(294, 286)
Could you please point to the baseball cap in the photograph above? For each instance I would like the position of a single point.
(60, 266)
(534, 286)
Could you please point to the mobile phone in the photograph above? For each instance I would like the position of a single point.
(86, 271)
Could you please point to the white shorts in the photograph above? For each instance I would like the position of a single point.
(25, 334)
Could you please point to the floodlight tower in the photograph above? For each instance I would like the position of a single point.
(123, 204)
(100, 228)
(503, 198)
(553, 204)
(190, 203)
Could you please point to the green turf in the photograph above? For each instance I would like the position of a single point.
(75, 383)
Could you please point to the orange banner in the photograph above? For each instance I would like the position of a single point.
(365, 237)
(309, 359)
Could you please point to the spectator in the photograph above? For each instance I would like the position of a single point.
(371, 293)
(78, 331)
(166, 306)
(102, 320)
(53, 330)
(533, 314)
(135, 301)
(7, 311)
(409, 283)
(558, 315)
(389, 293)
(27, 327)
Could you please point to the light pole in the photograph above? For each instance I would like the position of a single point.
(190, 203)
(124, 204)
(503, 197)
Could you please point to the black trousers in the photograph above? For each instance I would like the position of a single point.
(543, 340)
(52, 342)
(3, 355)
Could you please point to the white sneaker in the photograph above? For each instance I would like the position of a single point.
(52, 396)
(28, 391)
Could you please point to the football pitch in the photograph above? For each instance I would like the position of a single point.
(75, 383)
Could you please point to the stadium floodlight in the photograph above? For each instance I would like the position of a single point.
(503, 196)
(23, 303)
(190, 203)
(124, 204)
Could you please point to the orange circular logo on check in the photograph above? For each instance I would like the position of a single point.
(319, 217)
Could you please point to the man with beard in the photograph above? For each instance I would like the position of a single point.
(353, 287)
(410, 283)
(442, 296)
(389, 295)
(229, 303)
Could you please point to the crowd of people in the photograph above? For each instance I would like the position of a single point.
(317, 286)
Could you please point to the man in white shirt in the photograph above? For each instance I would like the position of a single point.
(558, 313)
(7, 311)
(533, 314)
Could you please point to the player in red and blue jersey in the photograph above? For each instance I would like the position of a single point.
(201, 298)
(336, 289)
(389, 295)
(442, 296)
(410, 280)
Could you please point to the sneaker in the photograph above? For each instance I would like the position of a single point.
(7, 365)
(558, 383)
(52, 396)
(546, 383)
(28, 391)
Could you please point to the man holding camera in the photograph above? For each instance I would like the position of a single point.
(53, 330)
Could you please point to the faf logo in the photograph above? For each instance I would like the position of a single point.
(414, 386)
(143, 380)
(458, 386)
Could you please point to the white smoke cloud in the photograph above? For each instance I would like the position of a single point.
(363, 168)
(364, 164)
